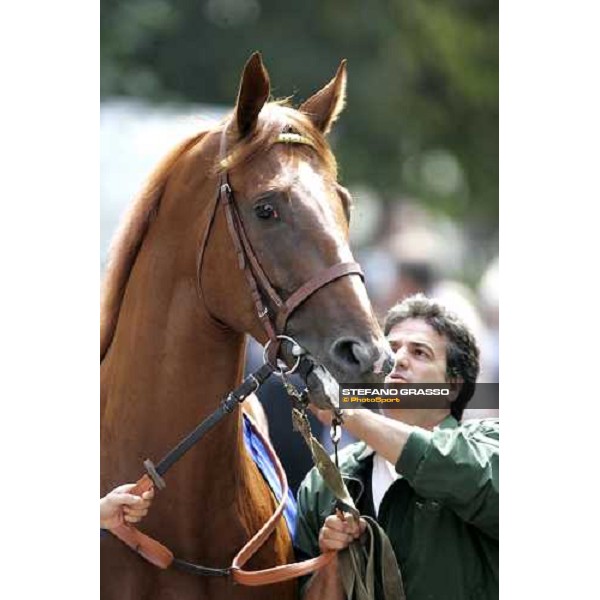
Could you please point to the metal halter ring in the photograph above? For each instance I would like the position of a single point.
(297, 351)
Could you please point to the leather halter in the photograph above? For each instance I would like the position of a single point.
(258, 281)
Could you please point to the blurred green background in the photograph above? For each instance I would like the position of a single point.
(422, 112)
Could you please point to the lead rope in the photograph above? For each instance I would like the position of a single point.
(357, 565)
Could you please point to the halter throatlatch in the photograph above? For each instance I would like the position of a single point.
(272, 310)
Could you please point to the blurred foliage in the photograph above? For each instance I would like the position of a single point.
(422, 112)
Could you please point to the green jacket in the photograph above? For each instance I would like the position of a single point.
(441, 516)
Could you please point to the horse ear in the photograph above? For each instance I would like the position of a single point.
(325, 106)
(254, 91)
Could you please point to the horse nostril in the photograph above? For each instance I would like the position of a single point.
(352, 354)
(388, 365)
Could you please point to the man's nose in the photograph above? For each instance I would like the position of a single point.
(401, 358)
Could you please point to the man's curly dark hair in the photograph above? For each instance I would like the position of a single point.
(462, 352)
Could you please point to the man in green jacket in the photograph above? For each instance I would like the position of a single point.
(429, 480)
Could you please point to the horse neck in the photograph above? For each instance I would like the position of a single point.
(169, 365)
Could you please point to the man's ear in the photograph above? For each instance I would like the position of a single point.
(254, 91)
(456, 384)
(324, 107)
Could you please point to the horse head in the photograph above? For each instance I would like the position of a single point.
(293, 215)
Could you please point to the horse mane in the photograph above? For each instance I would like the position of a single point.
(128, 240)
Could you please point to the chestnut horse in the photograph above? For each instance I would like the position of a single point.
(174, 313)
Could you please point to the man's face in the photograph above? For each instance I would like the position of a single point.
(419, 353)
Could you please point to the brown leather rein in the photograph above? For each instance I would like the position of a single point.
(258, 282)
(160, 556)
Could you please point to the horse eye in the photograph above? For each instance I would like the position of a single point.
(265, 211)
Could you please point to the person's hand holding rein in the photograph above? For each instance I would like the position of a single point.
(339, 531)
(120, 506)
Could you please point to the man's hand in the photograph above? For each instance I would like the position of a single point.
(119, 506)
(326, 416)
(338, 533)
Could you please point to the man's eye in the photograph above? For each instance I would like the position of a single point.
(265, 211)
